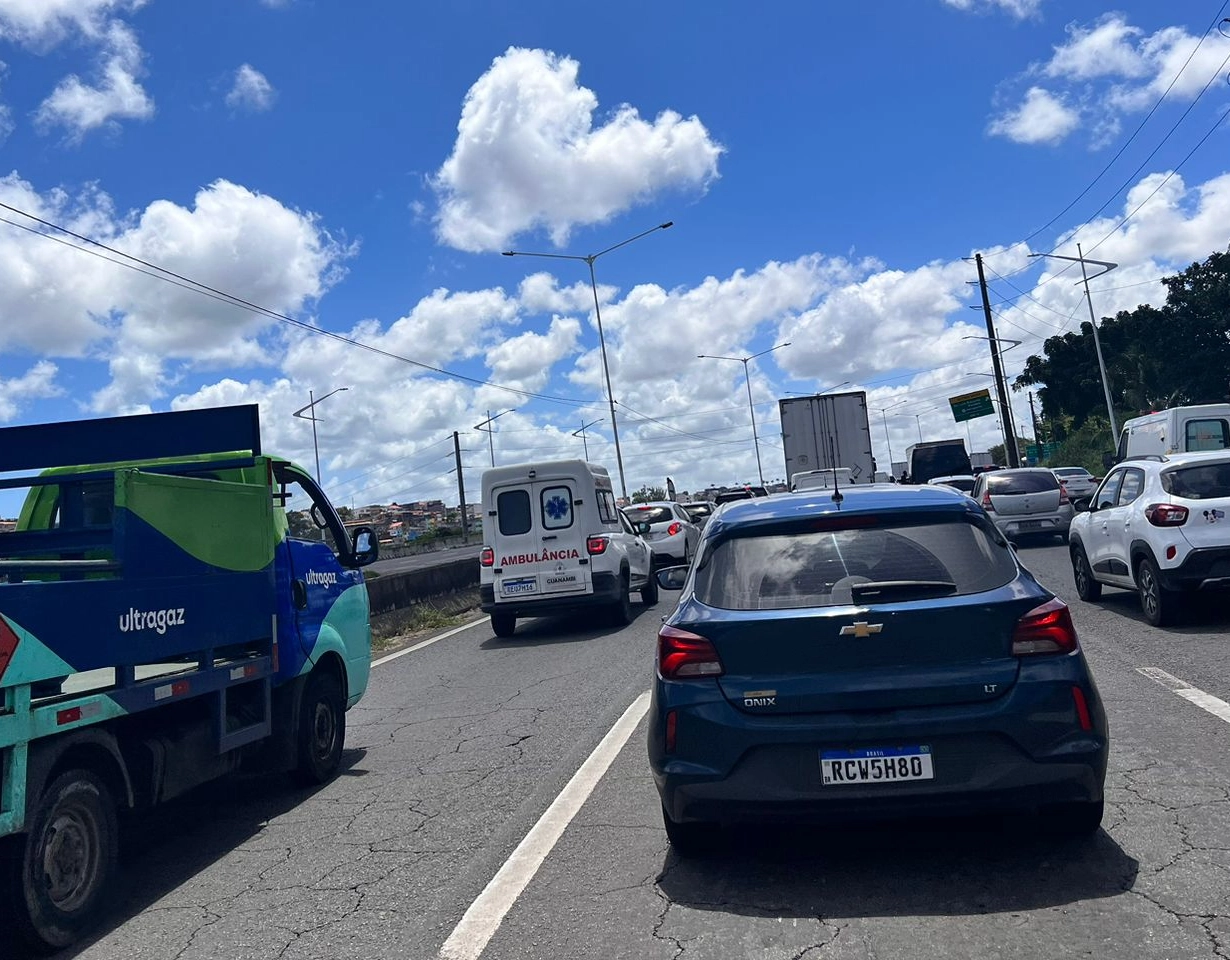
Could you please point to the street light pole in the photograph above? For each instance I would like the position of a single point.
(1011, 452)
(887, 440)
(750, 406)
(490, 431)
(1097, 341)
(606, 370)
(581, 433)
(312, 401)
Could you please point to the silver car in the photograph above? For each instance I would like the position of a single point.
(672, 535)
(1025, 502)
(1077, 481)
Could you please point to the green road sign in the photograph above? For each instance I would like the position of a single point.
(971, 406)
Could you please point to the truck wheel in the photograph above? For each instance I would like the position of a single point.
(621, 612)
(503, 625)
(649, 592)
(322, 729)
(61, 869)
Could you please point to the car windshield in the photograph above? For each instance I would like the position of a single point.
(1207, 481)
(650, 514)
(1011, 484)
(900, 558)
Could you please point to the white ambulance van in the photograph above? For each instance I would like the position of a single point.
(555, 542)
(1177, 430)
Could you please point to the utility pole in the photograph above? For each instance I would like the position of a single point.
(1010, 450)
(461, 490)
(581, 433)
(1034, 417)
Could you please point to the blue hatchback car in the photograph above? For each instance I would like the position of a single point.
(882, 653)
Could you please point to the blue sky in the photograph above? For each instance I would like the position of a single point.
(827, 167)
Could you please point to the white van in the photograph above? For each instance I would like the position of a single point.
(556, 542)
(1177, 430)
(821, 479)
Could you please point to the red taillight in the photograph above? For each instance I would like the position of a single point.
(1045, 629)
(987, 505)
(671, 722)
(1063, 494)
(1166, 514)
(683, 655)
(596, 545)
(487, 557)
(673, 529)
(1082, 709)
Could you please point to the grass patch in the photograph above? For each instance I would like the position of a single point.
(398, 627)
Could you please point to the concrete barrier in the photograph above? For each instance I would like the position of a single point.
(395, 591)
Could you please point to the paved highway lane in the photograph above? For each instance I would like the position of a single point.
(462, 745)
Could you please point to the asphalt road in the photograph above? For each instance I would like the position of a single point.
(462, 745)
(420, 561)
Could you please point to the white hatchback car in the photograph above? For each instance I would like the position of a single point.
(1024, 502)
(1077, 481)
(672, 535)
(1157, 525)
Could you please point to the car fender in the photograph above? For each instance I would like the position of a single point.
(1138, 550)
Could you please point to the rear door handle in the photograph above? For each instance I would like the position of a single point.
(550, 537)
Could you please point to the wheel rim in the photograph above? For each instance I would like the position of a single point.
(71, 861)
(1082, 574)
(324, 730)
(1148, 590)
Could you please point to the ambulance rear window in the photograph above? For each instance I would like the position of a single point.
(512, 507)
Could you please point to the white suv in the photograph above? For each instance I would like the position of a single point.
(1158, 525)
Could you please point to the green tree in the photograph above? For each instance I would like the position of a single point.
(301, 525)
(647, 493)
(1000, 456)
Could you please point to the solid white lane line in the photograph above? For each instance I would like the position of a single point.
(1205, 701)
(429, 641)
(470, 937)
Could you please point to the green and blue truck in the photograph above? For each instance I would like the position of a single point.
(160, 627)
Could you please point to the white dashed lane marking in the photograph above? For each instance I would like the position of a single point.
(1205, 701)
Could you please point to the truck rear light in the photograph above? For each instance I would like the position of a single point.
(683, 655)
(596, 545)
(487, 557)
(1045, 629)
(1082, 709)
(1166, 514)
(987, 505)
(8, 645)
(672, 720)
(673, 529)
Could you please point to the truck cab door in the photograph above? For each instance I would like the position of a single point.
(313, 583)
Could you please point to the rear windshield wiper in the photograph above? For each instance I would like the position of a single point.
(902, 589)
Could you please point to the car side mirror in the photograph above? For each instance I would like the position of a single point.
(1082, 505)
(364, 546)
(642, 527)
(672, 578)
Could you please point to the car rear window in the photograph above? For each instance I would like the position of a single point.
(959, 484)
(821, 568)
(1009, 484)
(1072, 472)
(512, 507)
(650, 514)
(697, 511)
(1208, 481)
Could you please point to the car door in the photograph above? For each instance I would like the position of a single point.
(639, 553)
(1117, 524)
(691, 530)
(1097, 549)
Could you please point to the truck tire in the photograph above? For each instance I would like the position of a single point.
(59, 873)
(322, 729)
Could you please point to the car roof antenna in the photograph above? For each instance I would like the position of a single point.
(837, 495)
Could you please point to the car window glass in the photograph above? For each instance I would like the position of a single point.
(1204, 482)
(812, 568)
(1108, 492)
(627, 525)
(1133, 483)
(1212, 434)
(556, 504)
(606, 506)
(1013, 484)
(650, 514)
(512, 509)
(299, 501)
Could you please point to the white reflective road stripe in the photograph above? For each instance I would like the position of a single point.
(1205, 701)
(429, 641)
(470, 937)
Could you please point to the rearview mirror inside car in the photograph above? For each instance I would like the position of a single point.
(672, 578)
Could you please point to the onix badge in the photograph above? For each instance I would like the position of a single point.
(860, 628)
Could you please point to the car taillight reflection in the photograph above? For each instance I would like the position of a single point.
(683, 655)
(1045, 629)
(487, 557)
(596, 545)
(673, 529)
(1166, 514)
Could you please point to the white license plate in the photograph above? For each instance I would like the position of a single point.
(879, 765)
(1029, 524)
(513, 588)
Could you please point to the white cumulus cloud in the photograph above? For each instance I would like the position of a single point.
(1041, 117)
(37, 383)
(251, 90)
(1021, 9)
(41, 24)
(528, 154)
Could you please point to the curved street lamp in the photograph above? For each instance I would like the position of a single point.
(312, 416)
(750, 408)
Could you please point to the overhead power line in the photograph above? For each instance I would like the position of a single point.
(166, 275)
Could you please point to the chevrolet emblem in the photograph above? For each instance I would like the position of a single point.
(860, 628)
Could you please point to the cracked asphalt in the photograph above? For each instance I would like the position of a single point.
(459, 747)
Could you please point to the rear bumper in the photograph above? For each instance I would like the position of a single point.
(1024, 526)
(1205, 568)
(606, 588)
(1020, 751)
